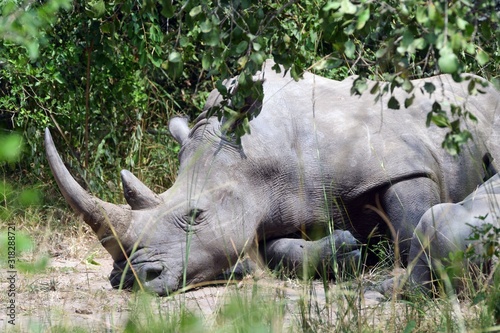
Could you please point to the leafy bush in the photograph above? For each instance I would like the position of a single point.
(14, 243)
(401, 40)
(109, 76)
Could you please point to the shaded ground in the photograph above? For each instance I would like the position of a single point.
(69, 292)
(72, 292)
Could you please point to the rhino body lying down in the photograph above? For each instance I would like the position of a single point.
(447, 229)
(317, 160)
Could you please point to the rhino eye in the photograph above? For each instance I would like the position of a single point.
(195, 215)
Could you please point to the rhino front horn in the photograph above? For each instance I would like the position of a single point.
(100, 215)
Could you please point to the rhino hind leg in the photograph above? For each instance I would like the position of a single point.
(325, 257)
(404, 203)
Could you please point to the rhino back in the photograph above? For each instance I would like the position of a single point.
(321, 141)
(318, 119)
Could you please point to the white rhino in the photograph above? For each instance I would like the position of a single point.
(444, 236)
(317, 161)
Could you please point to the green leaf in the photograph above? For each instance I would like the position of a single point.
(10, 147)
(256, 46)
(174, 69)
(363, 17)
(206, 26)
(257, 58)
(375, 89)
(461, 23)
(58, 77)
(346, 7)
(448, 62)
(359, 86)
(350, 29)
(428, 121)
(183, 41)
(436, 107)
(407, 85)
(91, 260)
(36, 266)
(107, 28)
(407, 39)
(429, 87)
(167, 9)
(242, 47)
(212, 38)
(471, 87)
(393, 103)
(98, 8)
(195, 11)
(440, 120)
(421, 16)
(295, 72)
(409, 101)
(433, 12)
(8, 7)
(381, 52)
(206, 61)
(419, 43)
(29, 197)
(331, 5)
(221, 88)
(472, 117)
(174, 57)
(456, 41)
(482, 58)
(470, 48)
(350, 49)
(143, 58)
(243, 61)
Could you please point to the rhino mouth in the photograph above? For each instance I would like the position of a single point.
(152, 277)
(145, 271)
(122, 277)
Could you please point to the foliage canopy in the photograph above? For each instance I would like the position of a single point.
(109, 75)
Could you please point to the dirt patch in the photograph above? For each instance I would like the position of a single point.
(72, 292)
(68, 292)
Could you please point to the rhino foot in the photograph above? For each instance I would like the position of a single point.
(327, 257)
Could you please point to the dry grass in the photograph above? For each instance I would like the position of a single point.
(73, 293)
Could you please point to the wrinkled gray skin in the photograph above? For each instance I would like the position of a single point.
(446, 228)
(315, 154)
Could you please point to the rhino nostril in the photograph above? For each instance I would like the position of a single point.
(152, 274)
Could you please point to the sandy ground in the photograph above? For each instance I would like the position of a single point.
(72, 292)
(69, 292)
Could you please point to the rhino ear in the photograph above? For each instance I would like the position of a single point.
(178, 127)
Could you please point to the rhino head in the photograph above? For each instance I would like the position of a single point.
(183, 236)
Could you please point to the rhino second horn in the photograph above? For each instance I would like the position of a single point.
(178, 127)
(98, 214)
(138, 195)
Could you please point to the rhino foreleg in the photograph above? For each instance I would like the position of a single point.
(302, 258)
